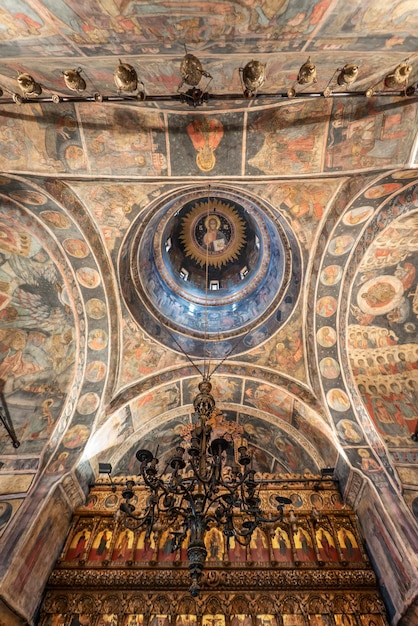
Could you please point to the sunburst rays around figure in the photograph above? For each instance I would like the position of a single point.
(213, 232)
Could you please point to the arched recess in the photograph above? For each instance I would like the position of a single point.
(364, 311)
(53, 307)
(285, 434)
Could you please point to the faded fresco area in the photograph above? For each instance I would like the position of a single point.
(343, 137)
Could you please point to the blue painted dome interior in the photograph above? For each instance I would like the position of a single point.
(210, 270)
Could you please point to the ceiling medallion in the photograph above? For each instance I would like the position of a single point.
(213, 232)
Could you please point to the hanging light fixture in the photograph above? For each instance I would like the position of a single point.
(6, 420)
(74, 80)
(397, 82)
(348, 74)
(399, 76)
(194, 491)
(213, 482)
(192, 72)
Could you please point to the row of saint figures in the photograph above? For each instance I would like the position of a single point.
(94, 541)
(295, 619)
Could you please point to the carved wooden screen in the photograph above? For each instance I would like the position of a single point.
(309, 570)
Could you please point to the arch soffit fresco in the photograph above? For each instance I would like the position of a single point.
(305, 431)
(387, 199)
(60, 227)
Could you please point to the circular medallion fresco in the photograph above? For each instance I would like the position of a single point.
(213, 233)
(206, 270)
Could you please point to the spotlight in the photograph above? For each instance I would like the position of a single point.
(307, 73)
(327, 472)
(191, 70)
(74, 80)
(348, 74)
(125, 77)
(399, 76)
(253, 76)
(28, 85)
(306, 76)
(105, 468)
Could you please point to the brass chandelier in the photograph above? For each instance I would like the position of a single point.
(195, 491)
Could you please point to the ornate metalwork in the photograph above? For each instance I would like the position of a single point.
(190, 499)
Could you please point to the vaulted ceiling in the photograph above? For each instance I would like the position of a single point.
(312, 335)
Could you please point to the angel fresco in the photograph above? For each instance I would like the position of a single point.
(241, 620)
(123, 546)
(205, 135)
(167, 551)
(214, 542)
(259, 550)
(293, 620)
(236, 552)
(145, 548)
(134, 620)
(348, 544)
(213, 620)
(326, 546)
(159, 620)
(266, 620)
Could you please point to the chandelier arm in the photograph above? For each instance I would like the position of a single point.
(148, 519)
(186, 493)
(205, 480)
(234, 485)
(237, 538)
(243, 537)
(220, 498)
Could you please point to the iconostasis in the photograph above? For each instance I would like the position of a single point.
(308, 569)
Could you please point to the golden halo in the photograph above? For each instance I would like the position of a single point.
(210, 218)
(363, 453)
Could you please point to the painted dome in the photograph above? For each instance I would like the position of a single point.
(210, 271)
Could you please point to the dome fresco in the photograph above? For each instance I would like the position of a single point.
(214, 268)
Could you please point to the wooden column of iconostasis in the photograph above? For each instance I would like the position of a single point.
(308, 570)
